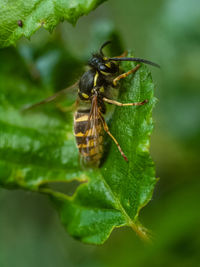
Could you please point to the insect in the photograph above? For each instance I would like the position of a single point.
(93, 91)
(20, 23)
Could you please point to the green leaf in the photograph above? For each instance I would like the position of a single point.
(38, 153)
(22, 18)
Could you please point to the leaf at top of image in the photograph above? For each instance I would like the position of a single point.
(38, 153)
(23, 18)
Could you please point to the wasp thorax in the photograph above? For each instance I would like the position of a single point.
(86, 84)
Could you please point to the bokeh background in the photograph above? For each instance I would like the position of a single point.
(164, 31)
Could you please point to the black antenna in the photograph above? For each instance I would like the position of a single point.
(103, 45)
(135, 59)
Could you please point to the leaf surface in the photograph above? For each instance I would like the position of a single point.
(22, 18)
(38, 151)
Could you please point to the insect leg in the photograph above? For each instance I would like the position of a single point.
(124, 54)
(105, 126)
(110, 101)
(124, 75)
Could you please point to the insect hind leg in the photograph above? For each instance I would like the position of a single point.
(106, 129)
(110, 101)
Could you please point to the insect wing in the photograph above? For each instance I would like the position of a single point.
(51, 98)
(91, 146)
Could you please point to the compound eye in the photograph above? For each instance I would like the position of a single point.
(102, 67)
(94, 60)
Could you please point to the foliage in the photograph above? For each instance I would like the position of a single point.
(28, 223)
(38, 149)
(22, 18)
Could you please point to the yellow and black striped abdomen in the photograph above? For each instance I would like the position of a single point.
(89, 137)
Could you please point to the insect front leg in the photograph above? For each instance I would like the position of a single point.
(106, 129)
(124, 54)
(124, 75)
(110, 101)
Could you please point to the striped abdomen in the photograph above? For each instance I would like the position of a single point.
(89, 137)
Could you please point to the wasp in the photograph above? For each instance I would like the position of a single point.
(93, 91)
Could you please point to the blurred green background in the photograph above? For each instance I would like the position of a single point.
(167, 32)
